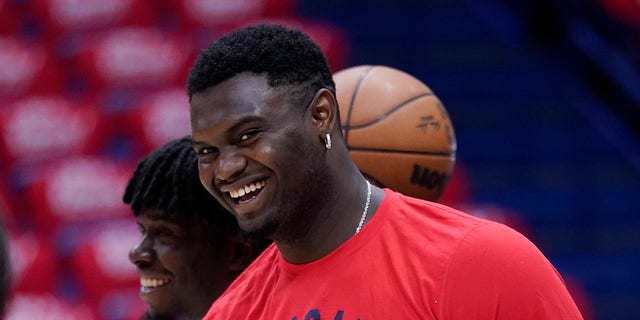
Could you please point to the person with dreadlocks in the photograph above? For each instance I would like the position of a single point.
(190, 248)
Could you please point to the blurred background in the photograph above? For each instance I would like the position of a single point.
(544, 97)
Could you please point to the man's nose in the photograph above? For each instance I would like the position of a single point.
(229, 165)
(142, 253)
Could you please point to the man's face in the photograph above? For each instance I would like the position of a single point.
(181, 265)
(258, 152)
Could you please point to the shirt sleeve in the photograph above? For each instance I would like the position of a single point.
(496, 273)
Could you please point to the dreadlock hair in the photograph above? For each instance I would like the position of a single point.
(167, 182)
(286, 56)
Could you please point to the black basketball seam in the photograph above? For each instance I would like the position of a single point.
(427, 153)
(353, 98)
(386, 114)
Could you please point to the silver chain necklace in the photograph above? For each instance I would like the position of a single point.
(366, 207)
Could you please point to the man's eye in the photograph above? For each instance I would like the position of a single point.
(141, 229)
(248, 136)
(205, 151)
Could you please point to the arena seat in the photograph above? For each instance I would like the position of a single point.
(79, 189)
(157, 118)
(8, 18)
(63, 16)
(134, 57)
(44, 128)
(7, 207)
(34, 264)
(46, 306)
(101, 266)
(197, 13)
(26, 68)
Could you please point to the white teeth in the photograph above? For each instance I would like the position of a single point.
(153, 282)
(247, 189)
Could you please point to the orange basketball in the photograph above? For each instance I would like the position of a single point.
(398, 132)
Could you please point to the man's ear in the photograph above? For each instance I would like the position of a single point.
(324, 110)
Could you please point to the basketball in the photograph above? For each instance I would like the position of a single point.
(397, 130)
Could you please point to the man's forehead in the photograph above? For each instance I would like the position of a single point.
(240, 92)
(243, 86)
(216, 117)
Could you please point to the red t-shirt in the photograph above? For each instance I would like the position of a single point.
(413, 260)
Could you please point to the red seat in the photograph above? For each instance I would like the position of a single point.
(7, 210)
(157, 118)
(46, 306)
(38, 129)
(100, 261)
(79, 189)
(199, 13)
(8, 18)
(34, 265)
(124, 304)
(134, 57)
(60, 16)
(26, 68)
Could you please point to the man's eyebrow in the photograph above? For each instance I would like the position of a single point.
(244, 120)
(241, 122)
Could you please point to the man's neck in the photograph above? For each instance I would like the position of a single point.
(334, 228)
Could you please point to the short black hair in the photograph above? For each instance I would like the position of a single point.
(167, 182)
(286, 56)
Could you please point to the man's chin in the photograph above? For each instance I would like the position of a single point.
(266, 230)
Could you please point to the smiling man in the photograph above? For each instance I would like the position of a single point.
(266, 128)
(190, 247)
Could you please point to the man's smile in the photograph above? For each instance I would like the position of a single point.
(150, 283)
(245, 199)
(247, 191)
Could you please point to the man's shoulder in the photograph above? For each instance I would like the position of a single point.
(431, 219)
(247, 292)
(265, 265)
